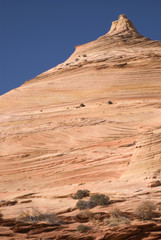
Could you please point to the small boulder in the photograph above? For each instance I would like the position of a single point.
(110, 102)
(82, 105)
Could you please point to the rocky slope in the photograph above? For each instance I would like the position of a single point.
(92, 122)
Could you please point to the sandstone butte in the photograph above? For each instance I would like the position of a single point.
(92, 122)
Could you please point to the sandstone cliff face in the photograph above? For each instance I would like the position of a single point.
(94, 120)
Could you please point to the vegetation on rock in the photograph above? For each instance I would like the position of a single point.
(35, 216)
(145, 210)
(83, 228)
(81, 194)
(100, 199)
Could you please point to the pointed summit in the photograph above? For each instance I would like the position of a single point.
(123, 26)
(121, 47)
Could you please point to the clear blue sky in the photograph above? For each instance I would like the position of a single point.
(36, 35)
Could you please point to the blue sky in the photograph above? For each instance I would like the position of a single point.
(37, 35)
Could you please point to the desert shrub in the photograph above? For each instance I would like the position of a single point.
(115, 213)
(84, 215)
(83, 228)
(81, 194)
(99, 199)
(51, 218)
(115, 221)
(116, 218)
(97, 216)
(29, 216)
(81, 204)
(145, 210)
(95, 200)
(91, 204)
(35, 216)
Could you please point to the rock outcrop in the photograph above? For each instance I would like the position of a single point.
(123, 27)
(146, 159)
(92, 122)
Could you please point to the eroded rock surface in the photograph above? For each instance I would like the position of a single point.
(60, 134)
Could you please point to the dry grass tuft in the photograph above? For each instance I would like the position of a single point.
(35, 216)
(83, 228)
(116, 218)
(145, 210)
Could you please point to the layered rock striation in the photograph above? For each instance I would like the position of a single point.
(92, 121)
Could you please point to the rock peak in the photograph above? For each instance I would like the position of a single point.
(123, 26)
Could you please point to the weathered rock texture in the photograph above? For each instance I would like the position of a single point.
(92, 122)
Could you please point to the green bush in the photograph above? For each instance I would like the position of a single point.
(91, 204)
(99, 199)
(83, 228)
(81, 204)
(81, 194)
(95, 200)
